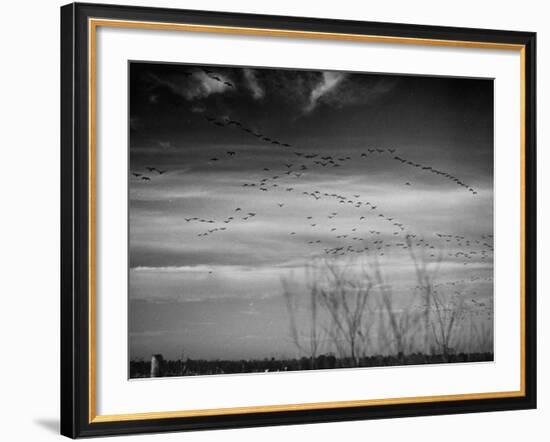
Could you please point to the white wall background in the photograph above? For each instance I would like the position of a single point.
(29, 220)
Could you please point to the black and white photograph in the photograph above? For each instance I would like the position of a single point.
(284, 220)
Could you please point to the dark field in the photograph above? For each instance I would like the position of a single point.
(192, 367)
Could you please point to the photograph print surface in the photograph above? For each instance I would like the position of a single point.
(284, 220)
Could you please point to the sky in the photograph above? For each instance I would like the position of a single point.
(243, 178)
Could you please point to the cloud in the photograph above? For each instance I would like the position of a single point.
(253, 84)
(198, 85)
(329, 81)
(339, 89)
(194, 269)
(198, 109)
(369, 90)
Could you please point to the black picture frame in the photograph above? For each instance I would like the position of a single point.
(76, 403)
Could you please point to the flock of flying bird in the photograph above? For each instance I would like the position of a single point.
(210, 74)
(143, 177)
(329, 160)
(355, 240)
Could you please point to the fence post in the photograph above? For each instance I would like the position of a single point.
(157, 363)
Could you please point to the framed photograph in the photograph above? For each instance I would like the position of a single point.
(279, 220)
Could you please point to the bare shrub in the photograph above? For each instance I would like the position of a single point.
(337, 308)
(446, 314)
(339, 315)
(306, 337)
(345, 299)
(402, 323)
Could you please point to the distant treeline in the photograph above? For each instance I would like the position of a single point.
(196, 367)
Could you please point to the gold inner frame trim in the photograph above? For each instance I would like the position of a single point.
(93, 24)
